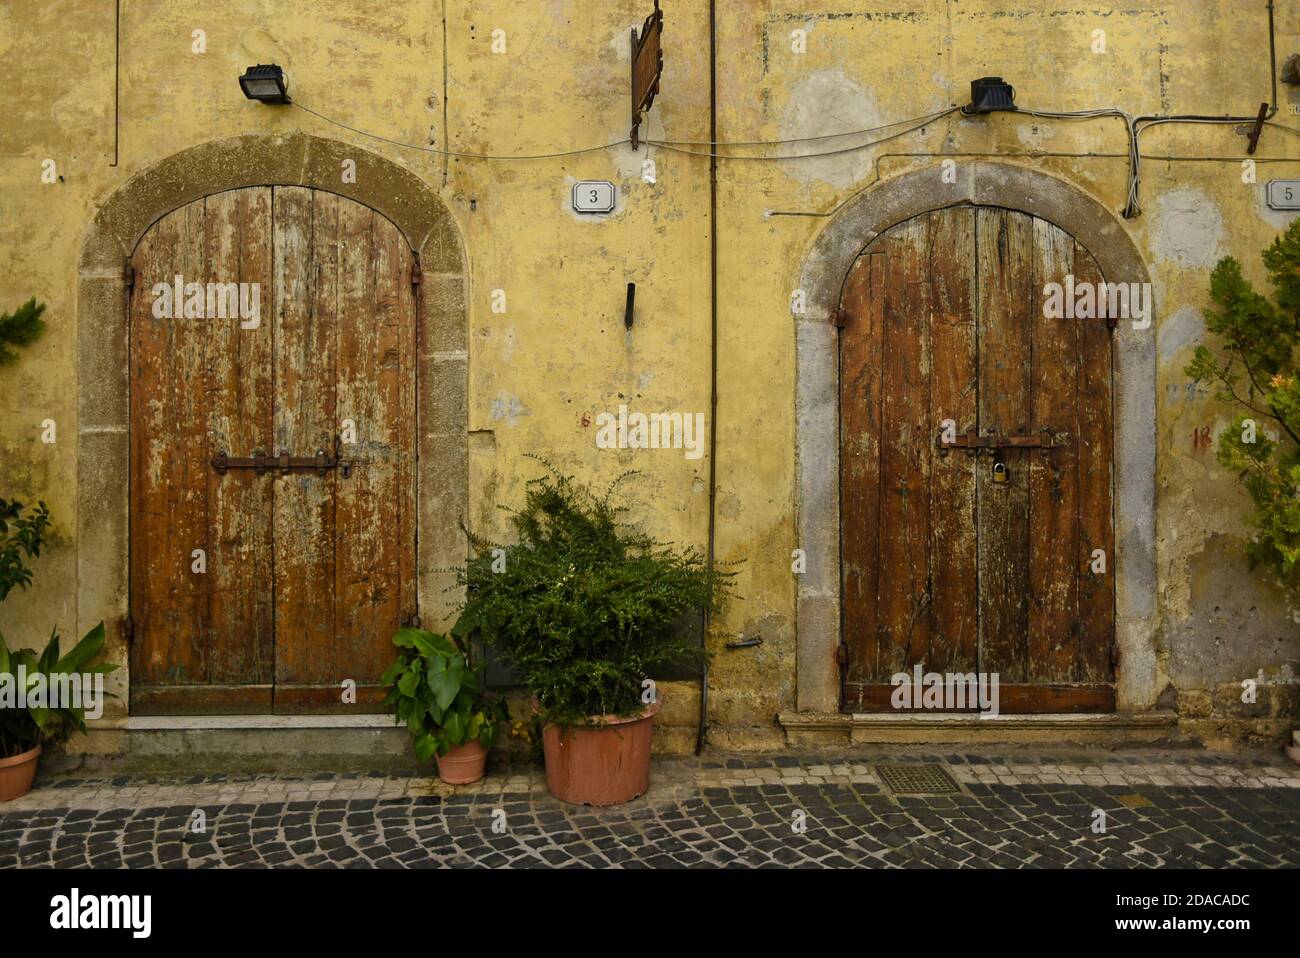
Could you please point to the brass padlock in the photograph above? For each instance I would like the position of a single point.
(999, 472)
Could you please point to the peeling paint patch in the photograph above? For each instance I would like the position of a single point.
(1184, 328)
(508, 409)
(827, 102)
(1187, 229)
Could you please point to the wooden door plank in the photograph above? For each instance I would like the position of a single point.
(398, 375)
(1053, 473)
(954, 629)
(153, 578)
(188, 463)
(169, 514)
(1096, 527)
(1004, 248)
(359, 537)
(241, 614)
(374, 510)
(392, 440)
(1048, 698)
(305, 317)
(194, 387)
(906, 447)
(861, 370)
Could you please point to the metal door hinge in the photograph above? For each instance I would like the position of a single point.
(412, 621)
(417, 275)
(842, 654)
(841, 317)
(128, 274)
(128, 629)
(1114, 654)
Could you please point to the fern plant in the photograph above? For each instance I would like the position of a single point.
(583, 606)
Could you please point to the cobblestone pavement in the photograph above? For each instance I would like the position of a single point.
(1190, 809)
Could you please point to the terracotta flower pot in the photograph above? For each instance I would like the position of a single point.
(18, 773)
(462, 764)
(605, 762)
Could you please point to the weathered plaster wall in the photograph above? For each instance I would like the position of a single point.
(423, 71)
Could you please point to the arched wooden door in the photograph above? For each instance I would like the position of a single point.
(273, 530)
(950, 561)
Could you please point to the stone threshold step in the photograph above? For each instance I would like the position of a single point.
(1119, 728)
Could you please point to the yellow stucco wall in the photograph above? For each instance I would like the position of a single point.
(424, 72)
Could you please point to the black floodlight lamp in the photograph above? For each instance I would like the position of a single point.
(265, 83)
(989, 95)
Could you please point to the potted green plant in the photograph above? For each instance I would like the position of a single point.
(432, 688)
(35, 704)
(584, 608)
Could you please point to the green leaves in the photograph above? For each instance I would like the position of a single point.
(445, 674)
(20, 328)
(21, 729)
(433, 689)
(1255, 368)
(584, 606)
(85, 650)
(22, 534)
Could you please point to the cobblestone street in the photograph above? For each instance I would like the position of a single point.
(1181, 808)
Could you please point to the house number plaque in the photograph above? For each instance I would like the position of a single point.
(1284, 194)
(593, 196)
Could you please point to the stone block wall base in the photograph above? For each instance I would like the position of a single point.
(1239, 733)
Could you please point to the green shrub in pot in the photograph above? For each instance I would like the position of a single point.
(583, 606)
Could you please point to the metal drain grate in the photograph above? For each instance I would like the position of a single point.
(917, 779)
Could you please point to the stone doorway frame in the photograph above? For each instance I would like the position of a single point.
(817, 494)
(103, 376)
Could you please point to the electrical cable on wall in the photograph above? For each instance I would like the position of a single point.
(1134, 128)
(674, 145)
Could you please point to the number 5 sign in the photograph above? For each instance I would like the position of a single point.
(1284, 194)
(593, 196)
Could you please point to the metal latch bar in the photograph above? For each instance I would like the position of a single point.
(322, 462)
(972, 440)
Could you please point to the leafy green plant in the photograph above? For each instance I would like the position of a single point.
(20, 328)
(438, 694)
(583, 606)
(1256, 370)
(21, 538)
(22, 729)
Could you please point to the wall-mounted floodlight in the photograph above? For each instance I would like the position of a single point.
(265, 83)
(990, 94)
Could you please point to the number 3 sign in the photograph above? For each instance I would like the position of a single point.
(593, 196)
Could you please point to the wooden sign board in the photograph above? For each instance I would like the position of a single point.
(647, 67)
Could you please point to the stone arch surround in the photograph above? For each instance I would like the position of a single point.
(817, 496)
(103, 427)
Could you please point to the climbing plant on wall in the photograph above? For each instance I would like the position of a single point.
(22, 529)
(1255, 368)
(20, 328)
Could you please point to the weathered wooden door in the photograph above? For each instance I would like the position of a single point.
(262, 585)
(951, 561)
